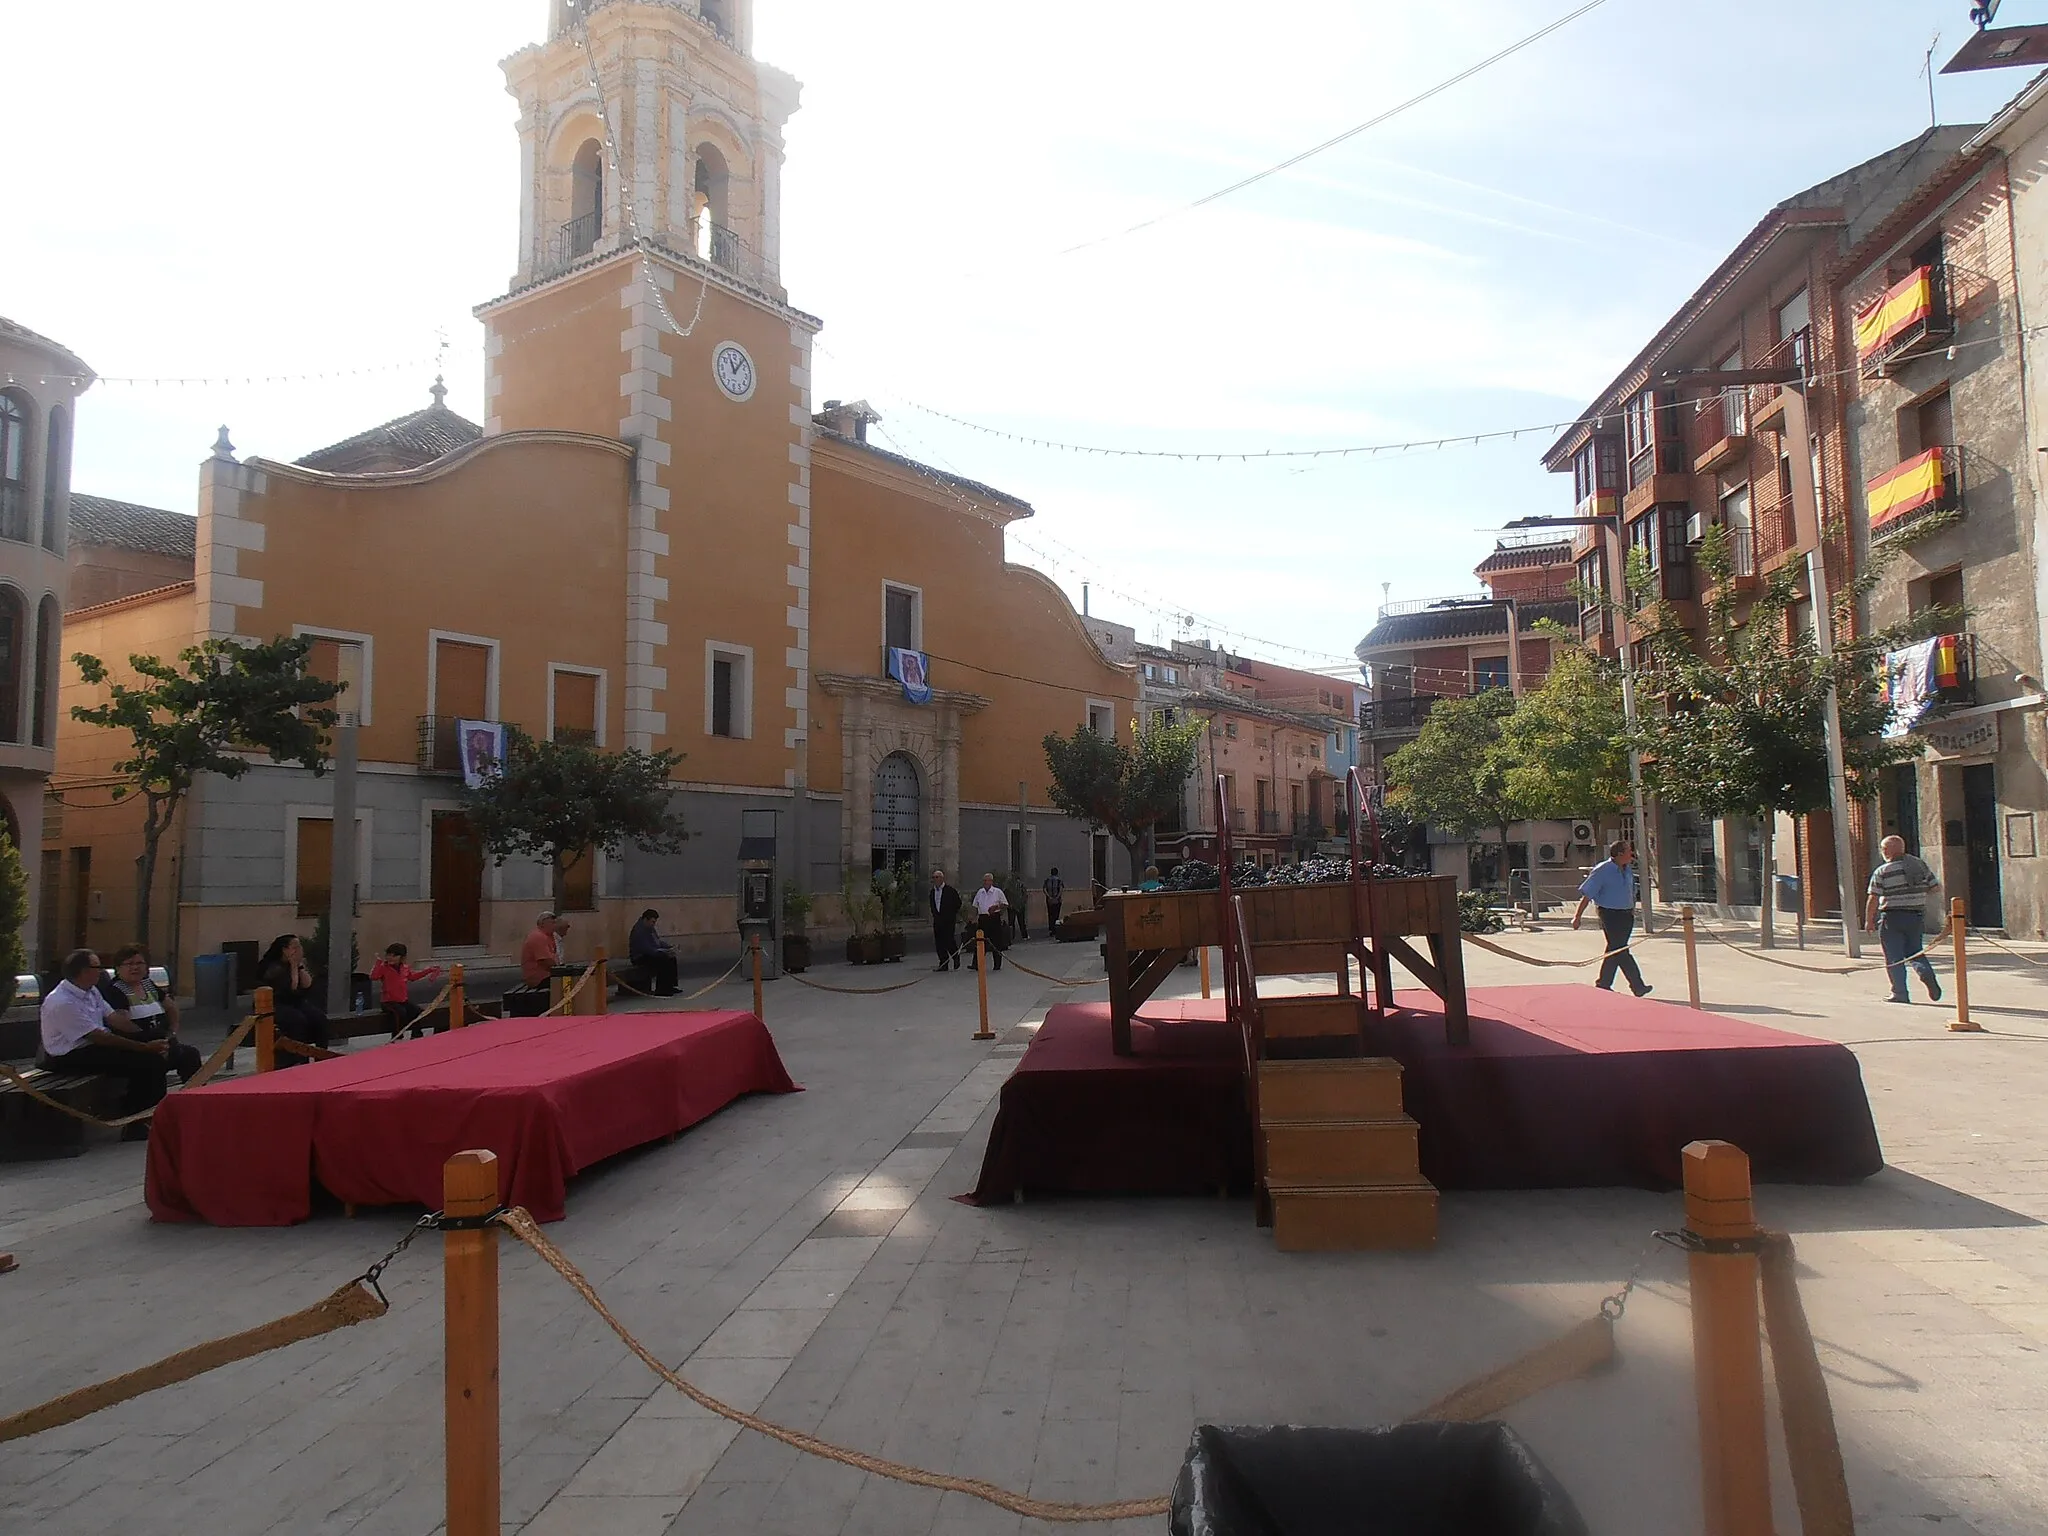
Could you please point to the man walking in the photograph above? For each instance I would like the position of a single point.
(1612, 888)
(1897, 909)
(991, 911)
(1055, 893)
(945, 919)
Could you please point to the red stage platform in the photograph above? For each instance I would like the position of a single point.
(550, 1096)
(1561, 1087)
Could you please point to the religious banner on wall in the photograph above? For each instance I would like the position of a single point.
(909, 668)
(482, 743)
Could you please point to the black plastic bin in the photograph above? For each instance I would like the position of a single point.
(1401, 1480)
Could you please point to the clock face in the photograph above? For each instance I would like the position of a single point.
(733, 369)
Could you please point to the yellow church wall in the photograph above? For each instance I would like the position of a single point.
(875, 521)
(519, 541)
(557, 363)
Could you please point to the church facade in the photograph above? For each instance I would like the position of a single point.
(656, 539)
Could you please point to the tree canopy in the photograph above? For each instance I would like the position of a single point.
(207, 712)
(1564, 749)
(1126, 789)
(561, 802)
(1452, 775)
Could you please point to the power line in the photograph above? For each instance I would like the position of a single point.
(1349, 133)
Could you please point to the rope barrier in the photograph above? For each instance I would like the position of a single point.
(1996, 944)
(1502, 949)
(1819, 970)
(569, 996)
(1058, 981)
(302, 1049)
(207, 1070)
(353, 1303)
(821, 986)
(426, 1008)
(1586, 1348)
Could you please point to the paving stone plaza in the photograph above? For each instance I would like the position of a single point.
(803, 1255)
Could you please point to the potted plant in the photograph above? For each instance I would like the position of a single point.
(863, 914)
(897, 894)
(796, 943)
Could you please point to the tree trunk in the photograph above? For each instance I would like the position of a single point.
(153, 824)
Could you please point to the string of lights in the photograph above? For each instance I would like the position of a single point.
(79, 380)
(1349, 133)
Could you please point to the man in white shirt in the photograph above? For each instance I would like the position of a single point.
(991, 912)
(83, 1032)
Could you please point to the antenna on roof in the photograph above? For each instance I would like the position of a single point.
(1927, 69)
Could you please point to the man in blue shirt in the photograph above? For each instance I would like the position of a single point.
(1612, 888)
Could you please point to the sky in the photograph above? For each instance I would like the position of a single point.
(247, 189)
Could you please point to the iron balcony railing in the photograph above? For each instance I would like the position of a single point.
(1923, 319)
(1269, 822)
(1398, 714)
(440, 744)
(1930, 482)
(578, 237)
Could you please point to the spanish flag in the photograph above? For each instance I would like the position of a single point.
(1914, 484)
(1904, 304)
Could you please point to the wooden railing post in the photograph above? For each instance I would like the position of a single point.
(1692, 955)
(458, 1000)
(266, 1031)
(1958, 921)
(600, 1000)
(981, 981)
(759, 1012)
(1727, 1352)
(469, 1188)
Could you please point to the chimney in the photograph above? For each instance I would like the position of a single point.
(848, 418)
(1084, 599)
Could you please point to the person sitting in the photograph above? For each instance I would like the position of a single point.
(394, 979)
(82, 1033)
(538, 958)
(1151, 882)
(295, 1003)
(646, 948)
(153, 1013)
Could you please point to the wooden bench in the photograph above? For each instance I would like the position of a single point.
(29, 1129)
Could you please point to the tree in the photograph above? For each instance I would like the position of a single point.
(1564, 751)
(1126, 790)
(206, 713)
(1452, 775)
(562, 802)
(1742, 730)
(13, 915)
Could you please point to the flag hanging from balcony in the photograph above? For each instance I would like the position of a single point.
(1905, 304)
(482, 744)
(1912, 485)
(1914, 678)
(909, 669)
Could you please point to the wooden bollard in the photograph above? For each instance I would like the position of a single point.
(758, 1013)
(981, 982)
(266, 1031)
(1205, 970)
(1692, 954)
(1727, 1353)
(469, 1188)
(1958, 920)
(458, 999)
(602, 981)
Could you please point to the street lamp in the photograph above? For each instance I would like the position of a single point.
(1611, 522)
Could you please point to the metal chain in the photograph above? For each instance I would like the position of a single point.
(375, 1272)
(1613, 1307)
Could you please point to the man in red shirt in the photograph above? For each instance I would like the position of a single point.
(542, 951)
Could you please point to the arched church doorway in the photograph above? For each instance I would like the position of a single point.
(899, 813)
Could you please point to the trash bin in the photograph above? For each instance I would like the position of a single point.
(1788, 893)
(213, 981)
(1400, 1480)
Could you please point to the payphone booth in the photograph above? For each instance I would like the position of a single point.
(759, 896)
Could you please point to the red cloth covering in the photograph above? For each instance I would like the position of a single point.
(550, 1096)
(1562, 1087)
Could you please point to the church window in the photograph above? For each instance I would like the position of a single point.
(708, 201)
(586, 199)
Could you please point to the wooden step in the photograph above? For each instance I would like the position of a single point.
(1339, 1219)
(1300, 1018)
(1341, 1152)
(1345, 1088)
(1298, 957)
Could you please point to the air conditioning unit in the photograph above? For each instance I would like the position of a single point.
(1549, 853)
(1582, 832)
(1696, 529)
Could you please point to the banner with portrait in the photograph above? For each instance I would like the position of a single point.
(482, 746)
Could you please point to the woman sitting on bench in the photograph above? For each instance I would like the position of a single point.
(154, 1014)
(82, 1033)
(294, 998)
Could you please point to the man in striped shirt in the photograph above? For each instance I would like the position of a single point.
(1897, 909)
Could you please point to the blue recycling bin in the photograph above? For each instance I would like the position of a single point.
(213, 981)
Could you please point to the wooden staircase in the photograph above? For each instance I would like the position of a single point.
(1335, 1155)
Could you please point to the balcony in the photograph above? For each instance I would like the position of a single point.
(1401, 714)
(1925, 680)
(575, 736)
(1929, 483)
(1269, 823)
(1777, 531)
(1909, 317)
(1237, 818)
(729, 253)
(440, 745)
(1719, 433)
